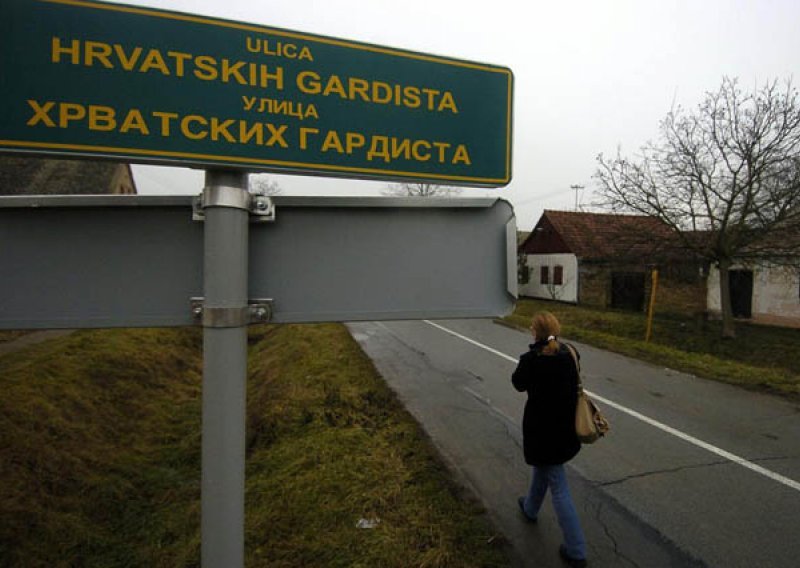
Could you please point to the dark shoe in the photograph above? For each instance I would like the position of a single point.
(528, 518)
(572, 562)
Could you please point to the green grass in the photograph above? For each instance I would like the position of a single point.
(760, 357)
(99, 454)
(100, 457)
(333, 445)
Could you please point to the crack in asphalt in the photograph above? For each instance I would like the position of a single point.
(595, 507)
(514, 435)
(657, 472)
(679, 469)
(598, 515)
(512, 429)
(773, 458)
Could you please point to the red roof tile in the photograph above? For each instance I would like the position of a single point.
(597, 236)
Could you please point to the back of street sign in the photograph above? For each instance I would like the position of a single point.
(137, 261)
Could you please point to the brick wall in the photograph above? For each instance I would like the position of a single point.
(594, 285)
(680, 290)
(679, 297)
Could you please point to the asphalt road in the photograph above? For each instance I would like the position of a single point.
(693, 473)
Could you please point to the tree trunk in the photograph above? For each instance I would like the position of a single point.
(728, 326)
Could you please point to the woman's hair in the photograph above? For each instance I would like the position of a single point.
(544, 326)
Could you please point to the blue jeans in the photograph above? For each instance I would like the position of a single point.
(554, 477)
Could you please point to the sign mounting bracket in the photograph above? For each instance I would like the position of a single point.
(257, 311)
(260, 207)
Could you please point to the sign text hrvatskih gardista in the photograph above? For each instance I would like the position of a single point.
(86, 78)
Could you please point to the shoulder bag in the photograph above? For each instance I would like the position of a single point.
(590, 424)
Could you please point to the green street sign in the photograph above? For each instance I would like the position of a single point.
(91, 79)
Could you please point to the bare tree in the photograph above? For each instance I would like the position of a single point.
(725, 178)
(262, 185)
(416, 189)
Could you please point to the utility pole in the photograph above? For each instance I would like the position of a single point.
(577, 188)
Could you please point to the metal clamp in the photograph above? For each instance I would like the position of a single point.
(261, 207)
(256, 311)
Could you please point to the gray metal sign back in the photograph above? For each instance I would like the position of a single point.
(137, 261)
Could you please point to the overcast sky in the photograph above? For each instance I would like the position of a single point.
(590, 75)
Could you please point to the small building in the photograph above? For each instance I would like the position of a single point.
(606, 260)
(760, 292)
(41, 176)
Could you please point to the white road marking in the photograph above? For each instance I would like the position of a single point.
(655, 423)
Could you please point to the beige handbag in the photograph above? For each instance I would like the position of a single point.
(590, 424)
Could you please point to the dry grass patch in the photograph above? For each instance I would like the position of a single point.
(100, 457)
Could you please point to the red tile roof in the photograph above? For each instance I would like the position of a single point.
(597, 236)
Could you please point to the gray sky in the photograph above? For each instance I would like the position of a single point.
(589, 75)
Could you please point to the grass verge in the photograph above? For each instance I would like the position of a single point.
(761, 357)
(99, 451)
(100, 457)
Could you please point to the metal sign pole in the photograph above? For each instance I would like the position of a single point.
(225, 203)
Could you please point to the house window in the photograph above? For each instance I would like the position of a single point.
(523, 270)
(558, 275)
(545, 275)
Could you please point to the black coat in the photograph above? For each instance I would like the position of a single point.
(548, 425)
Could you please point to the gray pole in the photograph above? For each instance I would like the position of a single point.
(225, 206)
(576, 187)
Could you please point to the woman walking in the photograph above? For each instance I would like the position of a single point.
(548, 373)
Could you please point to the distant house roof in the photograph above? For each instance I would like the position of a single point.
(39, 176)
(780, 242)
(597, 236)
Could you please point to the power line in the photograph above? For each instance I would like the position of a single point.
(540, 197)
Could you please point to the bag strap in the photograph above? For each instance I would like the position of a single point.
(577, 365)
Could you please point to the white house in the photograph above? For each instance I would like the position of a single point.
(590, 258)
(761, 292)
(551, 276)
(606, 260)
